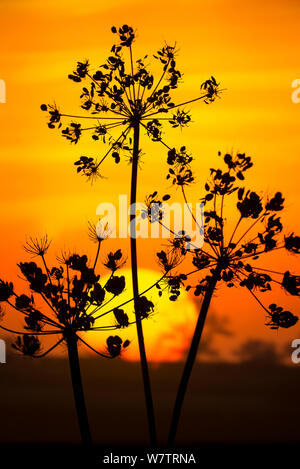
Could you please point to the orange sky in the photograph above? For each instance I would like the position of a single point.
(253, 49)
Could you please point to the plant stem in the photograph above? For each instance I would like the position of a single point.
(192, 356)
(78, 390)
(144, 363)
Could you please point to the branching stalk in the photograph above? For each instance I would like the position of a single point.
(78, 391)
(192, 356)
(143, 357)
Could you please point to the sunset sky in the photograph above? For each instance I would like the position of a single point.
(251, 48)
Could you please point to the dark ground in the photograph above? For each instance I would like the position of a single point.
(231, 411)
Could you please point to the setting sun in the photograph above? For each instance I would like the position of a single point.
(168, 329)
(150, 239)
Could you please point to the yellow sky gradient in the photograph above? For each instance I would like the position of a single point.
(252, 49)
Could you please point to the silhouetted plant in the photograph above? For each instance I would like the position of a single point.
(230, 258)
(127, 96)
(65, 300)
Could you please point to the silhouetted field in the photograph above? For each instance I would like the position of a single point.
(226, 403)
(231, 412)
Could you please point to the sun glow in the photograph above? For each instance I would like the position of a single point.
(167, 331)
